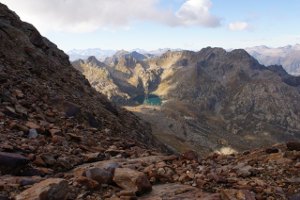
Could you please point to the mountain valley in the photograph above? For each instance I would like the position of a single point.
(207, 125)
(211, 100)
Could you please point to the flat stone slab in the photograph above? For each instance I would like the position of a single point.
(178, 192)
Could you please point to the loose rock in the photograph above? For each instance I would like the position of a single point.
(132, 180)
(53, 188)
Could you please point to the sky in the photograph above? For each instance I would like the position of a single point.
(153, 24)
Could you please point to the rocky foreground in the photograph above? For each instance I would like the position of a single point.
(128, 172)
(60, 139)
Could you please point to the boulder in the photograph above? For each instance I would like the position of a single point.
(49, 189)
(132, 180)
(102, 176)
(178, 191)
(11, 162)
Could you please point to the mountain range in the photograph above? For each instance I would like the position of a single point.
(212, 99)
(287, 56)
(101, 54)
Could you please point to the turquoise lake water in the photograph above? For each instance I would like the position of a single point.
(151, 100)
(155, 101)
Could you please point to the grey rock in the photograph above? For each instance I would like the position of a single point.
(32, 133)
(102, 176)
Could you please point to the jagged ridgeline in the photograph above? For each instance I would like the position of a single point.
(212, 98)
(60, 139)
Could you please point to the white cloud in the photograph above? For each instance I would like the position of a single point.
(239, 26)
(197, 12)
(87, 16)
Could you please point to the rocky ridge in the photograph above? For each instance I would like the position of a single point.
(213, 99)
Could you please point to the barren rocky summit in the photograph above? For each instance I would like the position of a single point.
(60, 139)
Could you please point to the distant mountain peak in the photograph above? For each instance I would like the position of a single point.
(288, 56)
(92, 60)
(121, 52)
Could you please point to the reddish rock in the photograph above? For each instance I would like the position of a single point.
(94, 157)
(75, 138)
(49, 189)
(132, 180)
(232, 194)
(89, 183)
(190, 155)
(178, 192)
(126, 193)
(18, 93)
(54, 131)
(32, 125)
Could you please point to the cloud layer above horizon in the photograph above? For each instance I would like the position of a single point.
(87, 16)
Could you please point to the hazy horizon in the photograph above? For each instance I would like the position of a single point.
(154, 24)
